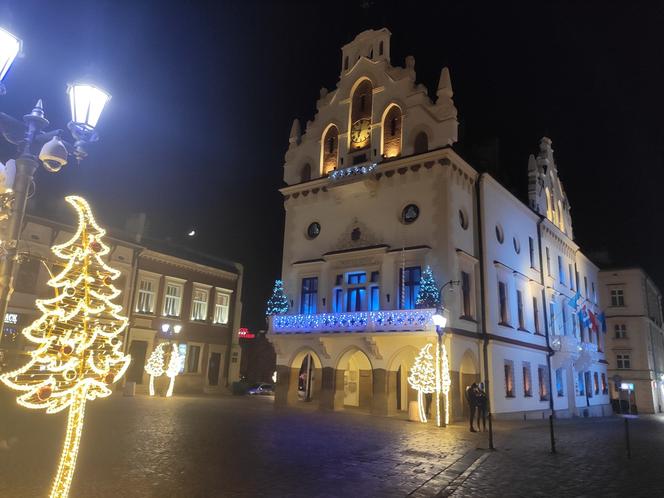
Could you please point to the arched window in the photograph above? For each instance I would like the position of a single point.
(560, 216)
(346, 63)
(421, 143)
(330, 151)
(549, 214)
(392, 132)
(360, 116)
(305, 173)
(380, 48)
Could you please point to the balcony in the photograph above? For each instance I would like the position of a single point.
(360, 321)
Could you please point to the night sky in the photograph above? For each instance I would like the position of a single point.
(204, 97)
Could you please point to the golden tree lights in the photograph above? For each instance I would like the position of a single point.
(174, 363)
(155, 365)
(78, 354)
(423, 378)
(156, 362)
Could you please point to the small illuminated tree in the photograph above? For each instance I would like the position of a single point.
(428, 295)
(278, 302)
(423, 377)
(173, 369)
(155, 365)
(78, 354)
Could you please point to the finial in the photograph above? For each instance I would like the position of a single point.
(37, 115)
(295, 132)
(445, 84)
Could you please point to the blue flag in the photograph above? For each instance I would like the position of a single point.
(574, 301)
(602, 320)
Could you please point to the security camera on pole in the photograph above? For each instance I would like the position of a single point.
(34, 147)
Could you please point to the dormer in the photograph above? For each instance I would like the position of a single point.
(546, 195)
(374, 45)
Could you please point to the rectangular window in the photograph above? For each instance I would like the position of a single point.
(410, 283)
(582, 386)
(560, 386)
(355, 298)
(465, 294)
(146, 297)
(605, 386)
(564, 318)
(502, 298)
(620, 330)
(509, 378)
(193, 358)
(375, 277)
(527, 380)
(571, 277)
(531, 248)
(309, 296)
(543, 380)
(172, 299)
(623, 361)
(548, 262)
(585, 286)
(338, 300)
(356, 278)
(519, 307)
(375, 299)
(617, 297)
(596, 382)
(199, 304)
(561, 273)
(221, 307)
(592, 284)
(536, 321)
(574, 328)
(552, 318)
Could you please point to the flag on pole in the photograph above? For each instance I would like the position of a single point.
(593, 320)
(602, 321)
(584, 318)
(574, 301)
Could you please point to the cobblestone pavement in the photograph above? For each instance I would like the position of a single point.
(223, 447)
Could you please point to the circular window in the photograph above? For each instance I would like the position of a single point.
(463, 219)
(313, 230)
(409, 214)
(499, 234)
(517, 245)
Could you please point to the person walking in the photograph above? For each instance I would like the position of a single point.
(471, 397)
(482, 402)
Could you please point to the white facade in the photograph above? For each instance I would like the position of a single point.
(635, 338)
(375, 193)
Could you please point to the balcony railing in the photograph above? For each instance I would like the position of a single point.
(360, 321)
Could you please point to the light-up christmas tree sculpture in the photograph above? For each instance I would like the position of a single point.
(278, 302)
(423, 378)
(78, 354)
(155, 365)
(428, 295)
(173, 369)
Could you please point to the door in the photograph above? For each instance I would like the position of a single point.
(213, 369)
(137, 350)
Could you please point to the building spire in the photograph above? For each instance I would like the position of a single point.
(295, 132)
(445, 84)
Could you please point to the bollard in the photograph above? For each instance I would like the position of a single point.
(629, 450)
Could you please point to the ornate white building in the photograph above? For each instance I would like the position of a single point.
(375, 194)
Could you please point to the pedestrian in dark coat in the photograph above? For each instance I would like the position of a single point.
(482, 403)
(471, 397)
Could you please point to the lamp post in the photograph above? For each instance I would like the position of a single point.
(440, 320)
(34, 147)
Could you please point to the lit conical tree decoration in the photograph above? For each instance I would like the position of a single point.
(423, 377)
(78, 354)
(155, 365)
(278, 302)
(428, 295)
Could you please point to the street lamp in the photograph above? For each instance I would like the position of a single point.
(35, 147)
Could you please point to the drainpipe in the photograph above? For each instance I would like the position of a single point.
(550, 351)
(480, 241)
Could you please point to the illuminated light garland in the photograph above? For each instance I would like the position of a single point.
(155, 365)
(338, 174)
(358, 321)
(78, 353)
(428, 295)
(423, 378)
(174, 363)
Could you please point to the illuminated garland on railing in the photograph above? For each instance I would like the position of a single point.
(360, 321)
(339, 174)
(78, 354)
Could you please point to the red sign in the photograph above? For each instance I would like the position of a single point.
(244, 333)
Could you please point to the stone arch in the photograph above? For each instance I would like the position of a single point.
(329, 149)
(421, 142)
(468, 373)
(392, 130)
(305, 376)
(354, 379)
(399, 391)
(361, 109)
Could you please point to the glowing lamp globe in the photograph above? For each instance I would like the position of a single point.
(177, 328)
(439, 320)
(10, 46)
(165, 328)
(87, 102)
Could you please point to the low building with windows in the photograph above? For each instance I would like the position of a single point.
(635, 339)
(191, 300)
(375, 193)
